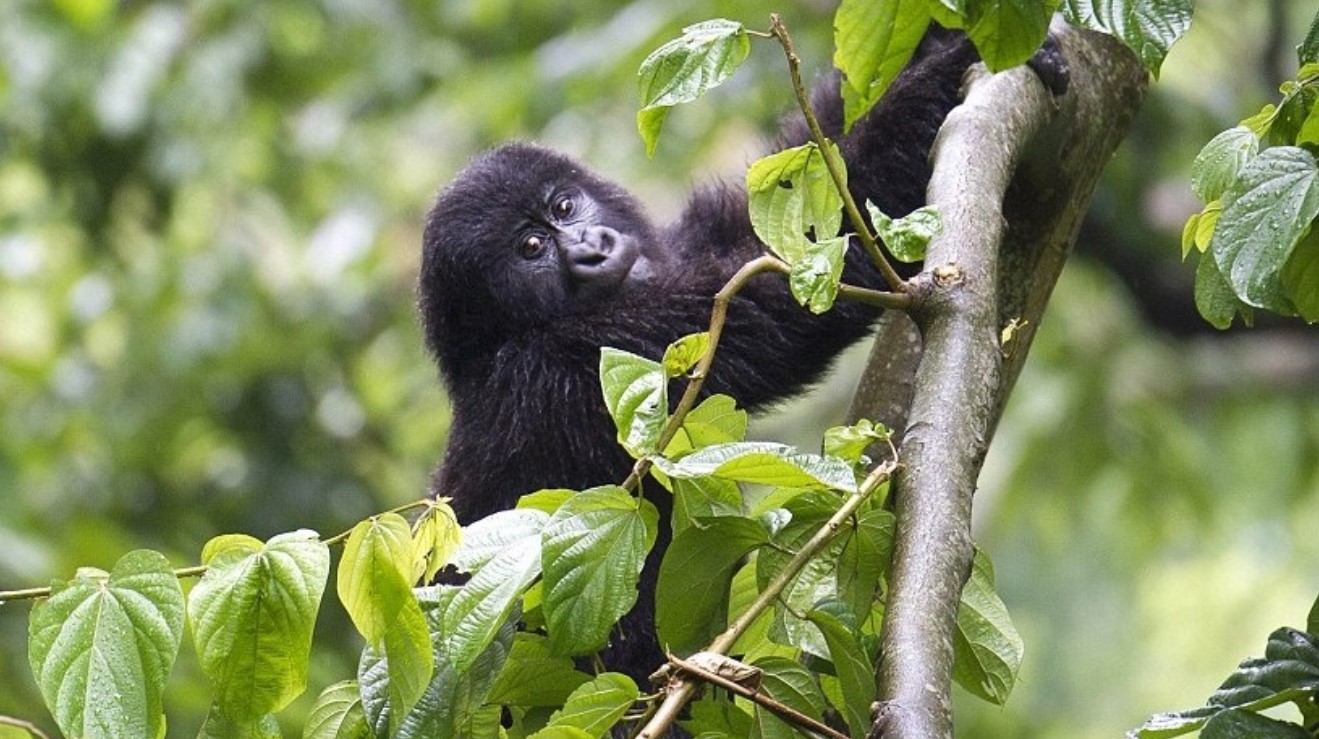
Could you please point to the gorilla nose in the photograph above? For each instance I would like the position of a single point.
(600, 238)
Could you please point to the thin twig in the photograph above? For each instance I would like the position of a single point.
(680, 691)
(787, 713)
(718, 314)
(836, 169)
(27, 726)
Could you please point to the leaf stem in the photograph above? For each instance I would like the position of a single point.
(836, 168)
(27, 726)
(680, 690)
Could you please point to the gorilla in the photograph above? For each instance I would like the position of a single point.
(531, 263)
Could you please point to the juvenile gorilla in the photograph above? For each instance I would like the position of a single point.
(532, 263)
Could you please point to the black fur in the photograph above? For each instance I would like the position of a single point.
(518, 342)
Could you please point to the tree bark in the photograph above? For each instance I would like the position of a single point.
(1014, 169)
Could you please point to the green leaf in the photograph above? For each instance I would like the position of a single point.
(252, 616)
(1288, 673)
(716, 718)
(220, 726)
(1219, 163)
(481, 607)
(102, 649)
(1300, 276)
(533, 676)
(1149, 27)
(791, 195)
(814, 278)
(1007, 32)
(636, 395)
(684, 69)
(987, 649)
(1312, 620)
(1234, 724)
(850, 442)
(1214, 298)
(407, 646)
(1309, 133)
(1266, 212)
(864, 559)
(717, 420)
(338, 714)
(854, 671)
(224, 542)
(435, 537)
(546, 500)
(374, 579)
(907, 237)
(816, 582)
(1308, 50)
(765, 463)
(595, 706)
(594, 547)
(873, 42)
(691, 598)
(682, 355)
(455, 702)
(791, 684)
(703, 497)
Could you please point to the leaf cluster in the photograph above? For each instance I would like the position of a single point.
(1260, 184)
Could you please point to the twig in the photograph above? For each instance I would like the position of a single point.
(27, 726)
(836, 169)
(680, 691)
(787, 713)
(718, 314)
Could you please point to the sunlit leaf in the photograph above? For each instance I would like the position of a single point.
(533, 676)
(636, 395)
(220, 726)
(765, 463)
(1220, 161)
(338, 714)
(101, 649)
(682, 355)
(252, 616)
(685, 68)
(849, 443)
(907, 237)
(716, 420)
(814, 278)
(436, 536)
(873, 42)
(792, 195)
(595, 706)
(374, 576)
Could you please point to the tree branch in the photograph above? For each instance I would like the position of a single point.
(1002, 149)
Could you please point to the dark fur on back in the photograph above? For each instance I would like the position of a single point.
(521, 361)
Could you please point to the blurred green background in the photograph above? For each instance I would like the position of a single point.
(209, 228)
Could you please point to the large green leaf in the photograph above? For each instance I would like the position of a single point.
(252, 617)
(765, 463)
(595, 706)
(1220, 161)
(593, 549)
(987, 650)
(533, 676)
(507, 546)
(1300, 276)
(1149, 27)
(855, 672)
(685, 68)
(636, 395)
(1266, 212)
(374, 577)
(791, 684)
(792, 195)
(101, 648)
(692, 594)
(873, 42)
(1007, 32)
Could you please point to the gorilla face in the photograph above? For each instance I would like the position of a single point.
(525, 235)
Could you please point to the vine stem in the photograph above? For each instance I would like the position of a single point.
(198, 570)
(680, 690)
(718, 314)
(831, 161)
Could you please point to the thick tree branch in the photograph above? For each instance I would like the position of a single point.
(1007, 153)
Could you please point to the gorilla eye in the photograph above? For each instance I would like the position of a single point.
(563, 207)
(531, 247)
